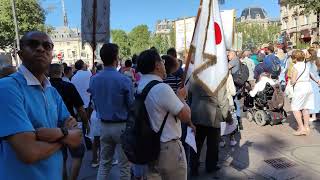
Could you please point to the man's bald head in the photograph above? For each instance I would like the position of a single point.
(232, 55)
(29, 35)
(55, 71)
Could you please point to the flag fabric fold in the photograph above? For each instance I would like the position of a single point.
(102, 21)
(208, 49)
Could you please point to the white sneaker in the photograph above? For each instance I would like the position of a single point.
(222, 144)
(233, 142)
(94, 165)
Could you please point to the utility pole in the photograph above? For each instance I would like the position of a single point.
(13, 4)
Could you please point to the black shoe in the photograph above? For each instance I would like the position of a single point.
(212, 170)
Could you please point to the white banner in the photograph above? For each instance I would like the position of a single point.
(228, 23)
(184, 31)
(209, 49)
(102, 21)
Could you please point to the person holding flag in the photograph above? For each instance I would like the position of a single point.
(208, 83)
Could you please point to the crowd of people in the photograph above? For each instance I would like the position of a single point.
(49, 109)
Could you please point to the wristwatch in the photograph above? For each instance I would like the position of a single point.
(64, 131)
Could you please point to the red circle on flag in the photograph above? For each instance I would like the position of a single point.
(217, 32)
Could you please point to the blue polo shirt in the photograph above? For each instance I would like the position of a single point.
(112, 94)
(25, 106)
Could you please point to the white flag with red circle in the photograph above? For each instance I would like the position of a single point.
(208, 49)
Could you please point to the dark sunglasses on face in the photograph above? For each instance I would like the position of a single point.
(33, 44)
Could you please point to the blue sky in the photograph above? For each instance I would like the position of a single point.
(126, 14)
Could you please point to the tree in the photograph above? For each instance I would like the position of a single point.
(120, 38)
(161, 43)
(308, 6)
(30, 16)
(257, 34)
(172, 38)
(139, 39)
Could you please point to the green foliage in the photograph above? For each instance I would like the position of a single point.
(254, 35)
(121, 38)
(302, 45)
(30, 16)
(139, 39)
(161, 43)
(308, 5)
(172, 39)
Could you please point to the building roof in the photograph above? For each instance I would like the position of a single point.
(254, 13)
(62, 33)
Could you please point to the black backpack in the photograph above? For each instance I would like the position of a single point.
(140, 142)
(241, 76)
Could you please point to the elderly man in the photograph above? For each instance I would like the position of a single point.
(35, 121)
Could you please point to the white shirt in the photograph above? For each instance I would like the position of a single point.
(160, 100)
(247, 61)
(81, 81)
(261, 85)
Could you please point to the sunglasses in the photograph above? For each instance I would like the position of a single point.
(33, 44)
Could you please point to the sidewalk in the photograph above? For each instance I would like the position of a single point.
(288, 157)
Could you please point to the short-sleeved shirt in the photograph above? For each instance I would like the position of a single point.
(235, 64)
(69, 94)
(173, 81)
(81, 81)
(112, 94)
(161, 100)
(25, 106)
(250, 64)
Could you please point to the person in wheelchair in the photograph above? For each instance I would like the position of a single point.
(265, 78)
(265, 102)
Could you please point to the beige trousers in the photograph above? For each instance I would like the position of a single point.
(172, 163)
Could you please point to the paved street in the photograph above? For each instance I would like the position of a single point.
(294, 157)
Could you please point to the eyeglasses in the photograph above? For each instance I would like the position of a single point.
(33, 44)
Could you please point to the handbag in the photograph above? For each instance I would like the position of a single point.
(289, 90)
(290, 87)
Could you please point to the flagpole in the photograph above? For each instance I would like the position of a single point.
(94, 20)
(191, 49)
(16, 28)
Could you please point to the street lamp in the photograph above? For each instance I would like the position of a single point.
(13, 4)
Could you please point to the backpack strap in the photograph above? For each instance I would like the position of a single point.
(144, 94)
(163, 123)
(148, 87)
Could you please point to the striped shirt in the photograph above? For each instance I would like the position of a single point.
(173, 81)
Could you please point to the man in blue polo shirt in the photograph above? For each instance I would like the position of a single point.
(31, 112)
(112, 94)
